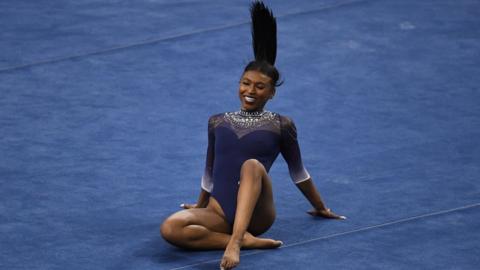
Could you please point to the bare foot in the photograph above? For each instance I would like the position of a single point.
(231, 257)
(250, 241)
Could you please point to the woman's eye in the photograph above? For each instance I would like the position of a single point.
(245, 83)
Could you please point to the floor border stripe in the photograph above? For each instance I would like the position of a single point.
(403, 220)
(172, 37)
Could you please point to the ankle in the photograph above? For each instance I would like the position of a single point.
(235, 239)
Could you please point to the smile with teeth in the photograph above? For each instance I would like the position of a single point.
(250, 99)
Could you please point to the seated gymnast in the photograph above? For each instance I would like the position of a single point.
(236, 202)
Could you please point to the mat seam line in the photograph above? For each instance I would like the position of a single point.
(173, 37)
(403, 220)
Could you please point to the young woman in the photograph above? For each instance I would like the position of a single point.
(236, 202)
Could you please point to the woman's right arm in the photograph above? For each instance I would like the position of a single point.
(202, 201)
(207, 181)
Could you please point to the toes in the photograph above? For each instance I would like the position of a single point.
(228, 264)
(223, 264)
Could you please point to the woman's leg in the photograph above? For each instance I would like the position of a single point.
(255, 210)
(204, 229)
(198, 228)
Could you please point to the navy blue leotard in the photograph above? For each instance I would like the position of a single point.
(234, 137)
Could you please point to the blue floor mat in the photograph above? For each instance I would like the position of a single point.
(103, 116)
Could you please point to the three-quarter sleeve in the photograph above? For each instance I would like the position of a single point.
(291, 151)
(207, 181)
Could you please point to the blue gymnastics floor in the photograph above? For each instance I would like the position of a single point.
(103, 116)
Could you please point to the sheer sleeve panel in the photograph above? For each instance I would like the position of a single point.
(291, 150)
(207, 181)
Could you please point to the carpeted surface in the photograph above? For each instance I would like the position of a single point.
(103, 116)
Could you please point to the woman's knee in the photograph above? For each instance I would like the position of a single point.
(179, 232)
(252, 165)
(171, 229)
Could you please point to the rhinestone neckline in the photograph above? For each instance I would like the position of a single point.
(249, 119)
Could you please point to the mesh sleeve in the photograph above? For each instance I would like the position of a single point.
(291, 151)
(207, 181)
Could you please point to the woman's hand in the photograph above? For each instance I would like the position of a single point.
(326, 213)
(188, 206)
(202, 201)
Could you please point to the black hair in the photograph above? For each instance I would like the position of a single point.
(264, 42)
(265, 68)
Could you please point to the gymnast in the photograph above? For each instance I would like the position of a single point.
(235, 204)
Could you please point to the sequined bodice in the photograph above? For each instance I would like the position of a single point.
(243, 122)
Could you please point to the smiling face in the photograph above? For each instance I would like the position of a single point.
(255, 90)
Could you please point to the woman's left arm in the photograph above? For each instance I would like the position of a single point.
(291, 152)
(310, 192)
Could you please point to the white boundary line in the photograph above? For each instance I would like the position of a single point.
(157, 40)
(347, 232)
